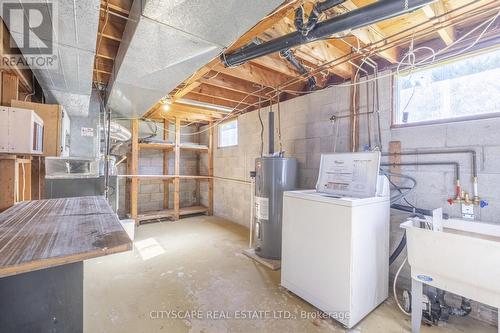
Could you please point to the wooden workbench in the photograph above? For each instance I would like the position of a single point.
(42, 247)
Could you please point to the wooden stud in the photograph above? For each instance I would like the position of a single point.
(395, 147)
(210, 169)
(10, 88)
(371, 34)
(166, 184)
(437, 9)
(8, 181)
(24, 179)
(198, 167)
(134, 162)
(177, 168)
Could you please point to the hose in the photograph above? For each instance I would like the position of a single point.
(394, 287)
(398, 249)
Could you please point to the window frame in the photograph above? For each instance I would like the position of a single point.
(219, 128)
(395, 96)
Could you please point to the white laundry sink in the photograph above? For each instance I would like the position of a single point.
(463, 258)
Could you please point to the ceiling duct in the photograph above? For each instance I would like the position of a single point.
(164, 42)
(69, 83)
(362, 17)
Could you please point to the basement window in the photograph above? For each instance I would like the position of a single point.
(228, 133)
(454, 90)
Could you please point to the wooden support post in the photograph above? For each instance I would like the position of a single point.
(23, 179)
(395, 147)
(8, 181)
(198, 170)
(134, 183)
(10, 88)
(37, 178)
(166, 184)
(177, 168)
(211, 168)
(354, 118)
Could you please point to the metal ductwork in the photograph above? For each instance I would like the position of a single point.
(70, 82)
(165, 42)
(362, 17)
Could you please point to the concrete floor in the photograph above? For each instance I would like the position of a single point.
(196, 265)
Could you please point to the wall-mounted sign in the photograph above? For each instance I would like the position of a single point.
(87, 131)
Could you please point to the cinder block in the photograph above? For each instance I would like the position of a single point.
(421, 136)
(473, 133)
(491, 158)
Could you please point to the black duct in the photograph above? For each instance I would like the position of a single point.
(288, 55)
(362, 17)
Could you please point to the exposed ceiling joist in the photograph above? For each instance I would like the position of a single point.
(259, 28)
(234, 84)
(437, 9)
(372, 34)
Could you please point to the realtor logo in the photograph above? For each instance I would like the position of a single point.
(32, 28)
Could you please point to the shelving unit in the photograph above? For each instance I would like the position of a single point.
(176, 212)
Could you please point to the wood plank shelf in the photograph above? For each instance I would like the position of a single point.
(133, 178)
(195, 149)
(171, 147)
(157, 146)
(170, 213)
(167, 177)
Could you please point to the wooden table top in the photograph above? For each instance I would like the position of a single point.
(45, 233)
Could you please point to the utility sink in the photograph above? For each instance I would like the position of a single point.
(463, 257)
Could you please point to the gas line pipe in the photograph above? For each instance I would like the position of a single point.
(460, 195)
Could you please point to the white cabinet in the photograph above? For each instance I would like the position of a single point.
(21, 131)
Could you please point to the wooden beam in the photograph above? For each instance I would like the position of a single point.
(8, 180)
(266, 24)
(211, 168)
(186, 116)
(177, 168)
(254, 73)
(274, 62)
(102, 71)
(25, 75)
(166, 193)
(184, 91)
(371, 34)
(437, 9)
(196, 110)
(215, 101)
(234, 84)
(259, 28)
(225, 94)
(134, 162)
(10, 88)
(395, 147)
(322, 50)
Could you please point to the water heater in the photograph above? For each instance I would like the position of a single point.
(273, 176)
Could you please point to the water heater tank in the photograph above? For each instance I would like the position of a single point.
(273, 176)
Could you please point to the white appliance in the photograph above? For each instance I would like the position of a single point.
(335, 252)
(21, 131)
(460, 258)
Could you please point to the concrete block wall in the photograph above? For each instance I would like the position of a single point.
(306, 133)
